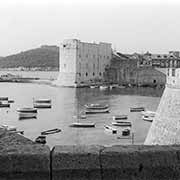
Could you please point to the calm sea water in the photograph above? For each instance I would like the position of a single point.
(67, 102)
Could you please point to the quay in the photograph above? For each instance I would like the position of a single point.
(24, 159)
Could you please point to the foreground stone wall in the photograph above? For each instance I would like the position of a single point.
(22, 159)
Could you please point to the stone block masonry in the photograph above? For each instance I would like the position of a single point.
(76, 162)
(22, 159)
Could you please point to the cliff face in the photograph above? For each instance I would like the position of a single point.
(43, 57)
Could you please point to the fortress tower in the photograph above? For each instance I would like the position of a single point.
(165, 129)
(82, 63)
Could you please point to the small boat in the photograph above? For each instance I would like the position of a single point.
(122, 123)
(4, 105)
(10, 101)
(83, 125)
(148, 113)
(119, 117)
(126, 132)
(25, 115)
(94, 86)
(137, 109)
(27, 110)
(111, 129)
(103, 87)
(51, 131)
(42, 103)
(96, 106)
(97, 111)
(9, 128)
(148, 118)
(41, 139)
(3, 98)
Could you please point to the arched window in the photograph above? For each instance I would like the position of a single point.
(86, 74)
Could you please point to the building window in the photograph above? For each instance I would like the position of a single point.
(173, 72)
(87, 55)
(100, 73)
(79, 56)
(93, 73)
(64, 65)
(168, 72)
(80, 74)
(86, 74)
(107, 57)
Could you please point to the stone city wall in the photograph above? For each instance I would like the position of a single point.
(22, 159)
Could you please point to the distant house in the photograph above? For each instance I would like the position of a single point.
(160, 60)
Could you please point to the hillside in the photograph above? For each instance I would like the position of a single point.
(43, 57)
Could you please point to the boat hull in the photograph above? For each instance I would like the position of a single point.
(137, 109)
(83, 125)
(27, 115)
(41, 105)
(121, 123)
(95, 111)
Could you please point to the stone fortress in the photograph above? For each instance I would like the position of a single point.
(165, 127)
(82, 63)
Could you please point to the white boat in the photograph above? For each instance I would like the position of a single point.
(103, 87)
(122, 123)
(94, 86)
(23, 115)
(7, 127)
(96, 106)
(148, 118)
(119, 117)
(148, 113)
(96, 111)
(42, 103)
(137, 109)
(27, 110)
(110, 129)
(83, 125)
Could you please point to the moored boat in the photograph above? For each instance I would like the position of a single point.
(4, 105)
(51, 131)
(97, 111)
(137, 109)
(7, 127)
(122, 123)
(42, 103)
(148, 113)
(93, 86)
(26, 115)
(103, 87)
(83, 125)
(96, 106)
(111, 129)
(148, 118)
(119, 117)
(41, 139)
(10, 101)
(3, 98)
(126, 132)
(27, 110)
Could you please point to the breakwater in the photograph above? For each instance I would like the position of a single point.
(23, 159)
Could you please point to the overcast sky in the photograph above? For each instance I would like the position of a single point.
(131, 26)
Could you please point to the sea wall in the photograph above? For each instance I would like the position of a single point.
(22, 159)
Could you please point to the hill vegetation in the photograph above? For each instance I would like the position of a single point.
(42, 58)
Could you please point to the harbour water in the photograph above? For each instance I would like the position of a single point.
(67, 102)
